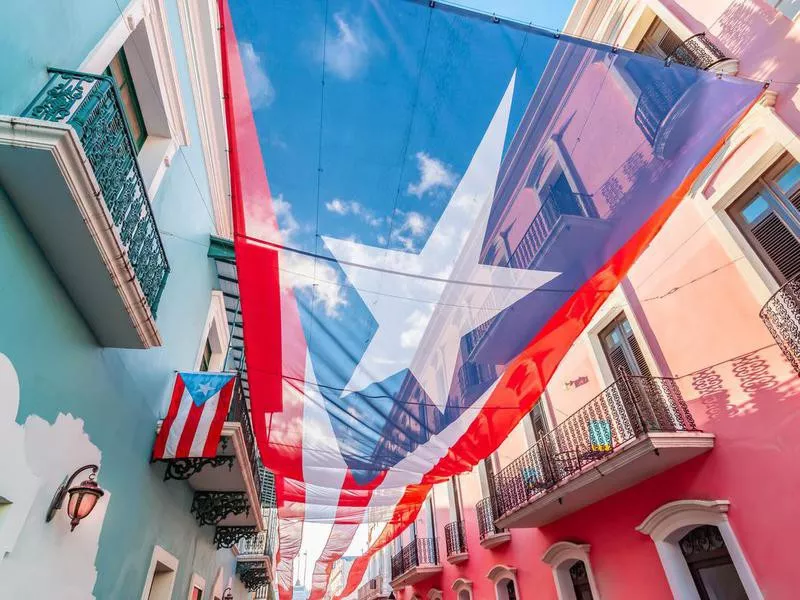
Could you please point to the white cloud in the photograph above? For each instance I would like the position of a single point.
(413, 227)
(433, 174)
(298, 271)
(345, 207)
(347, 51)
(262, 93)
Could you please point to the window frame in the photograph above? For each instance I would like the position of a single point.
(127, 82)
(561, 557)
(197, 583)
(160, 557)
(777, 200)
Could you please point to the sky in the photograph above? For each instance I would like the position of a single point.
(351, 53)
(551, 14)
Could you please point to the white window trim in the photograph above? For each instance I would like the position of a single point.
(434, 594)
(202, 47)
(216, 591)
(670, 522)
(462, 585)
(499, 572)
(151, 12)
(199, 583)
(561, 556)
(165, 558)
(216, 321)
(762, 117)
(616, 303)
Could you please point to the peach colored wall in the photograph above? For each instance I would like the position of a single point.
(701, 320)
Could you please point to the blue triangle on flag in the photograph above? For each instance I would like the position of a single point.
(202, 386)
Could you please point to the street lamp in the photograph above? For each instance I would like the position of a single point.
(82, 498)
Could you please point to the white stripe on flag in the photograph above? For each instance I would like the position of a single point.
(203, 426)
(178, 424)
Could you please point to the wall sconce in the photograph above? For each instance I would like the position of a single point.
(82, 498)
(227, 594)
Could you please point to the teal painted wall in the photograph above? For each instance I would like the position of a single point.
(120, 394)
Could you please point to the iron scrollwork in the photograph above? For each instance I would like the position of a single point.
(212, 507)
(228, 537)
(253, 576)
(184, 468)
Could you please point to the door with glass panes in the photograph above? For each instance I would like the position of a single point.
(631, 372)
(768, 215)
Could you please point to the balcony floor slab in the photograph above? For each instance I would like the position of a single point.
(633, 462)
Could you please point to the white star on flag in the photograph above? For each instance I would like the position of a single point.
(404, 291)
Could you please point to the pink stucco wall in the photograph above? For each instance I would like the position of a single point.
(700, 319)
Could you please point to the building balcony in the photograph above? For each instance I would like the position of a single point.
(634, 429)
(781, 315)
(701, 53)
(257, 551)
(490, 535)
(415, 562)
(231, 489)
(372, 590)
(69, 166)
(456, 542)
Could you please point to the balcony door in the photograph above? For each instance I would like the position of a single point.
(768, 215)
(622, 349)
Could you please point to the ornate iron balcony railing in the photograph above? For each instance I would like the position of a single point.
(698, 52)
(629, 407)
(781, 315)
(656, 101)
(92, 106)
(455, 538)
(264, 479)
(372, 589)
(422, 551)
(486, 516)
(255, 545)
(556, 204)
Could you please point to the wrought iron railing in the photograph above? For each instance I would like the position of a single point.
(455, 538)
(487, 514)
(554, 206)
(254, 545)
(781, 315)
(92, 106)
(629, 407)
(698, 52)
(656, 100)
(263, 478)
(421, 551)
(372, 589)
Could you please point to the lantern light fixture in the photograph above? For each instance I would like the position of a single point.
(227, 594)
(82, 498)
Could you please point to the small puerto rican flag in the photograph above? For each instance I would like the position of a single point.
(197, 411)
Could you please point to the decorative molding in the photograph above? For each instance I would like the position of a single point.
(462, 584)
(434, 594)
(217, 327)
(670, 522)
(184, 468)
(561, 551)
(209, 508)
(62, 142)
(199, 25)
(561, 556)
(498, 572)
(228, 537)
(672, 516)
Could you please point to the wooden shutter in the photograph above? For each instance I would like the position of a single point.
(779, 243)
(636, 350)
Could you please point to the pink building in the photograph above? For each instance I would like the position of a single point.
(662, 460)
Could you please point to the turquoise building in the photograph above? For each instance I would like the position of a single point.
(117, 273)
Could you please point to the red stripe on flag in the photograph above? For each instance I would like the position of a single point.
(189, 430)
(169, 420)
(215, 430)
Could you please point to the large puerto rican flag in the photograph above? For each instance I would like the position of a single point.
(196, 415)
(451, 198)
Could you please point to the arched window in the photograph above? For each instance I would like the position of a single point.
(710, 564)
(699, 551)
(572, 571)
(462, 589)
(505, 582)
